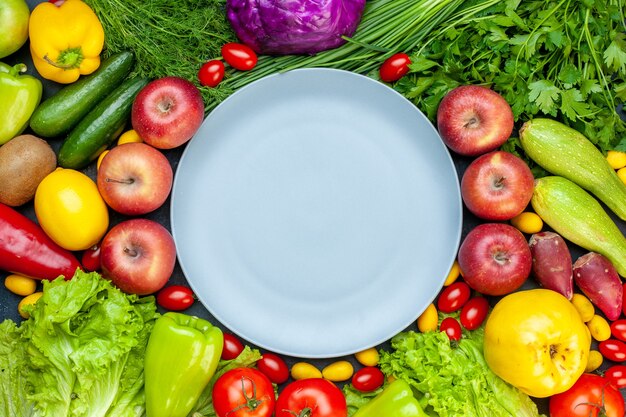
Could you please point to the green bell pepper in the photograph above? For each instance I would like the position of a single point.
(396, 400)
(21, 94)
(181, 357)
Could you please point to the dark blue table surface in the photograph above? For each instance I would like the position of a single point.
(9, 301)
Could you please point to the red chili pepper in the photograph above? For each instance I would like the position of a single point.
(26, 249)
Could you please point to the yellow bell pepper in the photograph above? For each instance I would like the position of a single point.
(65, 40)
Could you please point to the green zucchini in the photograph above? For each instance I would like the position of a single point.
(564, 151)
(62, 111)
(101, 126)
(578, 217)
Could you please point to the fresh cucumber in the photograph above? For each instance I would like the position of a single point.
(578, 217)
(99, 128)
(62, 111)
(566, 152)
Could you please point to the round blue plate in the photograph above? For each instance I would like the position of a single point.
(316, 213)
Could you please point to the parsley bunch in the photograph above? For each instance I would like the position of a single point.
(562, 59)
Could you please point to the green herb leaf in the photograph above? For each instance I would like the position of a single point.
(615, 54)
(572, 104)
(544, 93)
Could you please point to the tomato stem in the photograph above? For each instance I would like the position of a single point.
(252, 402)
(306, 412)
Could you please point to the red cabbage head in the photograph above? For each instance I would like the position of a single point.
(286, 27)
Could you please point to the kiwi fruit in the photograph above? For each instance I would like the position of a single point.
(24, 162)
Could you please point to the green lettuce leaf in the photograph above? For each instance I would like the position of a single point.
(13, 370)
(453, 380)
(356, 399)
(83, 349)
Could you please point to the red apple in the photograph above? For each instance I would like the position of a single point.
(495, 259)
(134, 178)
(138, 256)
(167, 112)
(473, 120)
(497, 186)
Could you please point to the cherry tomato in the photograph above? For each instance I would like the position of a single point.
(304, 370)
(313, 397)
(474, 313)
(590, 396)
(613, 349)
(368, 357)
(175, 298)
(617, 375)
(453, 297)
(394, 67)
(452, 328)
(232, 347)
(211, 73)
(368, 379)
(239, 56)
(274, 367)
(20, 285)
(243, 392)
(91, 259)
(618, 329)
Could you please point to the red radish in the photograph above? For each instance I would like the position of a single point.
(552, 262)
(596, 276)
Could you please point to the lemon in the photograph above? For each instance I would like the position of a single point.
(70, 210)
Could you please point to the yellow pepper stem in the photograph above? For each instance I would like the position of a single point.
(68, 58)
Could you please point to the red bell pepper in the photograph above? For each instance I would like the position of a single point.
(25, 249)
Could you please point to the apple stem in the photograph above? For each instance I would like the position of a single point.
(165, 105)
(126, 181)
(131, 252)
(471, 122)
(501, 257)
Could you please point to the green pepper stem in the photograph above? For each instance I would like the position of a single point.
(17, 69)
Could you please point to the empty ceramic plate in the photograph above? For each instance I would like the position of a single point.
(316, 213)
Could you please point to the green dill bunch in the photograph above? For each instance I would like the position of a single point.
(168, 38)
